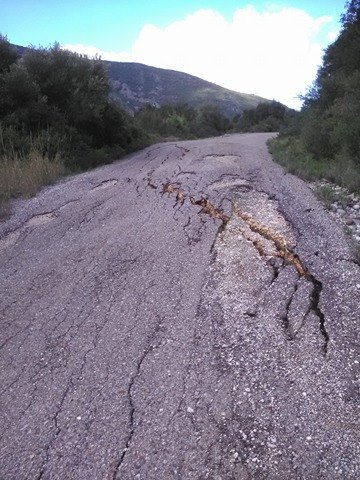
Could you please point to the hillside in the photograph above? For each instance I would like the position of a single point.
(135, 84)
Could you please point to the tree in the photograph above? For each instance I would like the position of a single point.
(8, 54)
(352, 14)
(266, 117)
(65, 96)
(332, 106)
(75, 85)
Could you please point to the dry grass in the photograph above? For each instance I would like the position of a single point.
(24, 176)
(27, 163)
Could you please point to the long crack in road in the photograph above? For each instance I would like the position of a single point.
(189, 312)
(281, 244)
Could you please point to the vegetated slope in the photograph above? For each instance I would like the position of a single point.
(135, 84)
(56, 116)
(323, 142)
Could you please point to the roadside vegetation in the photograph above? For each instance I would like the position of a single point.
(57, 116)
(266, 117)
(181, 121)
(323, 140)
(23, 170)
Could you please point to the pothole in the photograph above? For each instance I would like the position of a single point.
(37, 220)
(230, 182)
(106, 184)
(222, 158)
(10, 239)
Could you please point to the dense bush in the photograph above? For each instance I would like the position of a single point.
(56, 116)
(8, 54)
(181, 121)
(266, 117)
(332, 105)
(66, 95)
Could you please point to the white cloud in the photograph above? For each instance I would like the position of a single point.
(273, 53)
(332, 36)
(91, 51)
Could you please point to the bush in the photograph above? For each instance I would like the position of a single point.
(291, 153)
(266, 117)
(332, 105)
(181, 121)
(325, 139)
(55, 116)
(8, 54)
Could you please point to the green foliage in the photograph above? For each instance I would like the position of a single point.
(291, 152)
(328, 128)
(332, 105)
(8, 54)
(352, 13)
(65, 95)
(56, 116)
(181, 121)
(210, 121)
(266, 117)
(326, 194)
(27, 162)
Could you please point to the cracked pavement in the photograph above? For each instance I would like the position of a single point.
(189, 312)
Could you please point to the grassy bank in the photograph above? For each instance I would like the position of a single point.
(24, 176)
(23, 171)
(291, 154)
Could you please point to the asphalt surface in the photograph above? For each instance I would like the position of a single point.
(190, 312)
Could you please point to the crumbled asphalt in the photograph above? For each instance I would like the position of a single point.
(145, 337)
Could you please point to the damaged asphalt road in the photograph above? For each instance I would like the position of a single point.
(190, 312)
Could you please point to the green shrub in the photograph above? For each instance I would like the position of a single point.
(181, 121)
(8, 54)
(326, 194)
(56, 116)
(266, 117)
(324, 140)
(291, 153)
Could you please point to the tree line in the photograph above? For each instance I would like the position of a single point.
(57, 116)
(331, 114)
(64, 96)
(324, 139)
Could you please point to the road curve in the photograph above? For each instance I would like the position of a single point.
(190, 312)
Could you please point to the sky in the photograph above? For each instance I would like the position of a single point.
(268, 48)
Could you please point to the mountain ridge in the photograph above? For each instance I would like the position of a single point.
(135, 84)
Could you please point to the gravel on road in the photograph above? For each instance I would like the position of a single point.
(189, 312)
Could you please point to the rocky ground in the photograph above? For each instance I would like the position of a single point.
(343, 206)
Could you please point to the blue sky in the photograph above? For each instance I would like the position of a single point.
(138, 30)
(41, 22)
